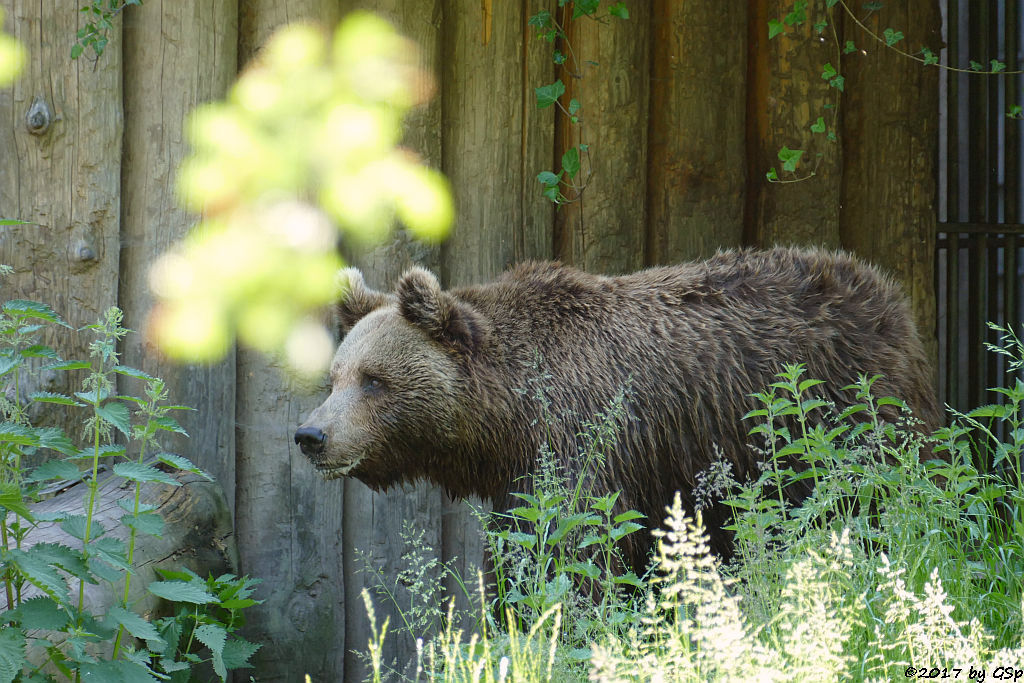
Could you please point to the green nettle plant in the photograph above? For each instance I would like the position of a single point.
(568, 184)
(49, 630)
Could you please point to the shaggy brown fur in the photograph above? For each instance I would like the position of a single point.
(430, 383)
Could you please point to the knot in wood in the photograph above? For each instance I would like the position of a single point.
(38, 118)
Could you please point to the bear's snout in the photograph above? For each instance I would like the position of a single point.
(311, 440)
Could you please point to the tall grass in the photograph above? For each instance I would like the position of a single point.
(906, 561)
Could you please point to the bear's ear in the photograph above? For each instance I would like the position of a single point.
(355, 299)
(453, 323)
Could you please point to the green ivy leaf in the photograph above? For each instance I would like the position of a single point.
(849, 47)
(541, 20)
(584, 8)
(773, 177)
(790, 158)
(997, 66)
(819, 125)
(619, 10)
(820, 26)
(551, 193)
(549, 94)
(929, 57)
(892, 37)
(976, 66)
(798, 15)
(571, 162)
(775, 27)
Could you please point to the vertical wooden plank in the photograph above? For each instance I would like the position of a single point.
(604, 230)
(60, 151)
(500, 217)
(177, 54)
(288, 520)
(373, 522)
(888, 193)
(696, 132)
(786, 95)
(535, 239)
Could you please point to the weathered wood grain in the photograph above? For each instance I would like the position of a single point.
(60, 167)
(890, 151)
(697, 129)
(177, 54)
(786, 96)
(289, 520)
(610, 76)
(494, 143)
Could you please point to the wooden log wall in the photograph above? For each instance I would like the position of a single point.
(684, 106)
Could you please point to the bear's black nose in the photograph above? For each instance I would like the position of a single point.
(311, 440)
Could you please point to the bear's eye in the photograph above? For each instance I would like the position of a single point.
(372, 384)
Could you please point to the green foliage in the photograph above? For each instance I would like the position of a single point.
(99, 20)
(890, 39)
(44, 583)
(565, 186)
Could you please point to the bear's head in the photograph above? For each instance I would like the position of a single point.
(398, 382)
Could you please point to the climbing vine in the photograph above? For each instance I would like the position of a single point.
(568, 183)
(890, 38)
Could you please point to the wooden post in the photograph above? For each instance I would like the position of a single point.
(786, 95)
(890, 150)
(494, 144)
(60, 151)
(289, 521)
(177, 54)
(605, 230)
(695, 179)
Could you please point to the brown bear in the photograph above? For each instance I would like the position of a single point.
(431, 384)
